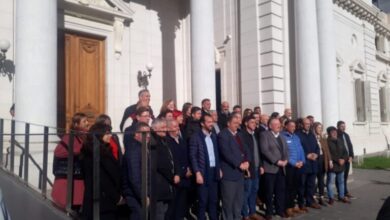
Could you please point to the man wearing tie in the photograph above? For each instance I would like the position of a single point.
(204, 157)
(275, 158)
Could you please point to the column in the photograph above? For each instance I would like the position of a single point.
(308, 67)
(36, 62)
(202, 51)
(327, 52)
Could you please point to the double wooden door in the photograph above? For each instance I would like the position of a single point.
(83, 86)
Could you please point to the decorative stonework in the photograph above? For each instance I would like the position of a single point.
(366, 12)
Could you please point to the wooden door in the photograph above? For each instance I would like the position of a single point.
(84, 76)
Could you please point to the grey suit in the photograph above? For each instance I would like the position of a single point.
(274, 149)
(271, 152)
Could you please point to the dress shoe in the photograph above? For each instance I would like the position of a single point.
(290, 212)
(315, 206)
(349, 195)
(345, 200)
(268, 217)
(284, 216)
(331, 201)
(256, 217)
(321, 202)
(304, 209)
(297, 210)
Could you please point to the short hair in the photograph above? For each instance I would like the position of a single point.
(248, 118)
(255, 113)
(141, 110)
(274, 115)
(256, 107)
(194, 109)
(203, 118)
(76, 119)
(237, 106)
(235, 114)
(231, 117)
(330, 129)
(288, 121)
(272, 119)
(205, 100)
(310, 117)
(142, 91)
(339, 123)
(139, 126)
(157, 122)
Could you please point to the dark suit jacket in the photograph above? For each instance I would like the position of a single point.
(310, 145)
(223, 120)
(247, 139)
(231, 155)
(199, 155)
(349, 142)
(192, 127)
(110, 183)
(131, 172)
(162, 166)
(272, 152)
(130, 112)
(181, 159)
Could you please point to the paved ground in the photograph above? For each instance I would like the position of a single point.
(370, 187)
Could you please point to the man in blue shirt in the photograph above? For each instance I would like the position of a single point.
(294, 168)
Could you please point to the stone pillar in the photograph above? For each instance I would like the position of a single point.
(36, 62)
(202, 51)
(327, 52)
(308, 67)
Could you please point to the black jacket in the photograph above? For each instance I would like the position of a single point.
(247, 140)
(349, 142)
(191, 128)
(223, 120)
(110, 183)
(181, 159)
(162, 169)
(337, 151)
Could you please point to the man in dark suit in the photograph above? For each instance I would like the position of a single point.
(182, 171)
(275, 158)
(206, 106)
(131, 172)
(234, 165)
(130, 112)
(263, 123)
(349, 147)
(250, 140)
(204, 157)
(163, 175)
(223, 115)
(310, 168)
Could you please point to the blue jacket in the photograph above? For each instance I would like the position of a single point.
(131, 172)
(231, 155)
(199, 156)
(310, 145)
(295, 148)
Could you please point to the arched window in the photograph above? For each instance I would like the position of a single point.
(362, 88)
(384, 96)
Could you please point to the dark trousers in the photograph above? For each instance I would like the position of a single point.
(293, 182)
(208, 197)
(275, 184)
(347, 167)
(307, 187)
(180, 204)
(135, 208)
(232, 198)
(321, 175)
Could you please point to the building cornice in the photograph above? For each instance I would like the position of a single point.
(366, 12)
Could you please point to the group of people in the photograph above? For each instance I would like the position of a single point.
(204, 162)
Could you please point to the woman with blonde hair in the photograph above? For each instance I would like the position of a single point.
(324, 159)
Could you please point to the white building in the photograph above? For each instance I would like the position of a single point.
(329, 59)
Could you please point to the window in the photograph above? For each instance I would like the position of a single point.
(360, 100)
(384, 97)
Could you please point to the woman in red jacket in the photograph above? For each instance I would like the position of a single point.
(59, 193)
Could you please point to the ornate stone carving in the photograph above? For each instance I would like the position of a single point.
(119, 27)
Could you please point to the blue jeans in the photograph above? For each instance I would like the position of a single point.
(251, 186)
(340, 184)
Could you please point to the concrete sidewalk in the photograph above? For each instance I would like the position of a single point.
(370, 188)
